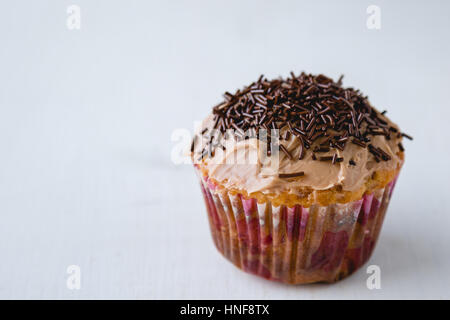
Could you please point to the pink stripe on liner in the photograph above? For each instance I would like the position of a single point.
(249, 206)
(392, 185)
(365, 209)
(303, 223)
(374, 208)
(212, 207)
(252, 220)
(291, 222)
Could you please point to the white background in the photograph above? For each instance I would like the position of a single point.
(86, 118)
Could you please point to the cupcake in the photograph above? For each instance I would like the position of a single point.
(296, 175)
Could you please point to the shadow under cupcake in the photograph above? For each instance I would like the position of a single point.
(297, 174)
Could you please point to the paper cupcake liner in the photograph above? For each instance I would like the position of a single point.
(295, 244)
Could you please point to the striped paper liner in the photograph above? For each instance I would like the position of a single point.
(295, 244)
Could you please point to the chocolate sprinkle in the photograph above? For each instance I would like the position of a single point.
(334, 158)
(302, 149)
(407, 136)
(291, 175)
(194, 141)
(375, 152)
(311, 108)
(359, 143)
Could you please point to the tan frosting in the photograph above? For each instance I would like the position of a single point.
(232, 169)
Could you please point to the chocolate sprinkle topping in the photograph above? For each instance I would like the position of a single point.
(407, 136)
(194, 141)
(291, 175)
(311, 108)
